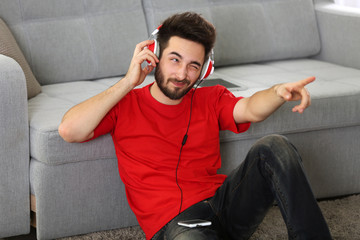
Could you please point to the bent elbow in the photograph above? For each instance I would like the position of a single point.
(65, 133)
(72, 134)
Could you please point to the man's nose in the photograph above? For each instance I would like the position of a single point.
(181, 73)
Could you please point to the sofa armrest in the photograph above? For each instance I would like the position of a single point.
(339, 28)
(14, 150)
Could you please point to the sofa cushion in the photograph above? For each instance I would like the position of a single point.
(250, 31)
(76, 40)
(335, 95)
(10, 48)
(45, 113)
(336, 87)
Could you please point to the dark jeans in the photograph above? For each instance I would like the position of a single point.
(271, 171)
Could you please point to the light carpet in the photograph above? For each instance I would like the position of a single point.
(342, 216)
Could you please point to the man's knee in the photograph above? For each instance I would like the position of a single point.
(273, 140)
(279, 149)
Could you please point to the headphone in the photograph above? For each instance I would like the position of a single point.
(208, 67)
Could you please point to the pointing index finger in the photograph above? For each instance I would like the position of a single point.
(306, 81)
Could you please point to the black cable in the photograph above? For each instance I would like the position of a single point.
(182, 145)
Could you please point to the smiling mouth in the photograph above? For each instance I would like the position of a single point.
(179, 84)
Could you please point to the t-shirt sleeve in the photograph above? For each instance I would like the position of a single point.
(107, 124)
(225, 108)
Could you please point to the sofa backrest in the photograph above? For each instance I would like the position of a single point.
(67, 40)
(250, 30)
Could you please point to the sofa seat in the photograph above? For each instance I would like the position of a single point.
(332, 84)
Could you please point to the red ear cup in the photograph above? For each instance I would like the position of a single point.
(207, 69)
(210, 69)
(154, 47)
(151, 47)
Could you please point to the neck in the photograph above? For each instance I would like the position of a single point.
(159, 96)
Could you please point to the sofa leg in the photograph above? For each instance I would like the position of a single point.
(33, 210)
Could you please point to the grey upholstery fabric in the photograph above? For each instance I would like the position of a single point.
(10, 48)
(14, 149)
(250, 31)
(45, 113)
(329, 158)
(85, 39)
(334, 24)
(78, 198)
(158, 10)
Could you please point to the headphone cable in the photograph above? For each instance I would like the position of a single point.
(182, 145)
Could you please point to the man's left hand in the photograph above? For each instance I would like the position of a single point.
(296, 91)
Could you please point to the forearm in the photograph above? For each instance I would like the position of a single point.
(259, 106)
(262, 104)
(79, 123)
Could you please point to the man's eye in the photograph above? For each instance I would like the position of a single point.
(175, 60)
(195, 67)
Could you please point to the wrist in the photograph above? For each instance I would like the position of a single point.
(122, 87)
(125, 84)
(277, 91)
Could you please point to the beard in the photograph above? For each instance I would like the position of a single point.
(175, 94)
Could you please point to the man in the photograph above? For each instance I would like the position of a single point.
(166, 138)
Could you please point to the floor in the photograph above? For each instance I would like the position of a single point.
(31, 236)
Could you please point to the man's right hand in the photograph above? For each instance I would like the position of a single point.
(136, 75)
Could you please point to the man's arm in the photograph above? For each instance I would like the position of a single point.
(263, 103)
(79, 123)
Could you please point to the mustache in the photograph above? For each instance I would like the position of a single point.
(186, 81)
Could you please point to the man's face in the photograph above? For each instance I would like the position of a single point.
(179, 68)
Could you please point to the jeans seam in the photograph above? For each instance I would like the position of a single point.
(247, 172)
(282, 199)
(213, 209)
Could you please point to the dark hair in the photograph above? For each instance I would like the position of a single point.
(190, 26)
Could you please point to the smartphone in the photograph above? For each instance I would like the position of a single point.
(194, 223)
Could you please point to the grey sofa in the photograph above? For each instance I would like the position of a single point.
(76, 49)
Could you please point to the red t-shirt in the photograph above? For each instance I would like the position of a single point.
(148, 136)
